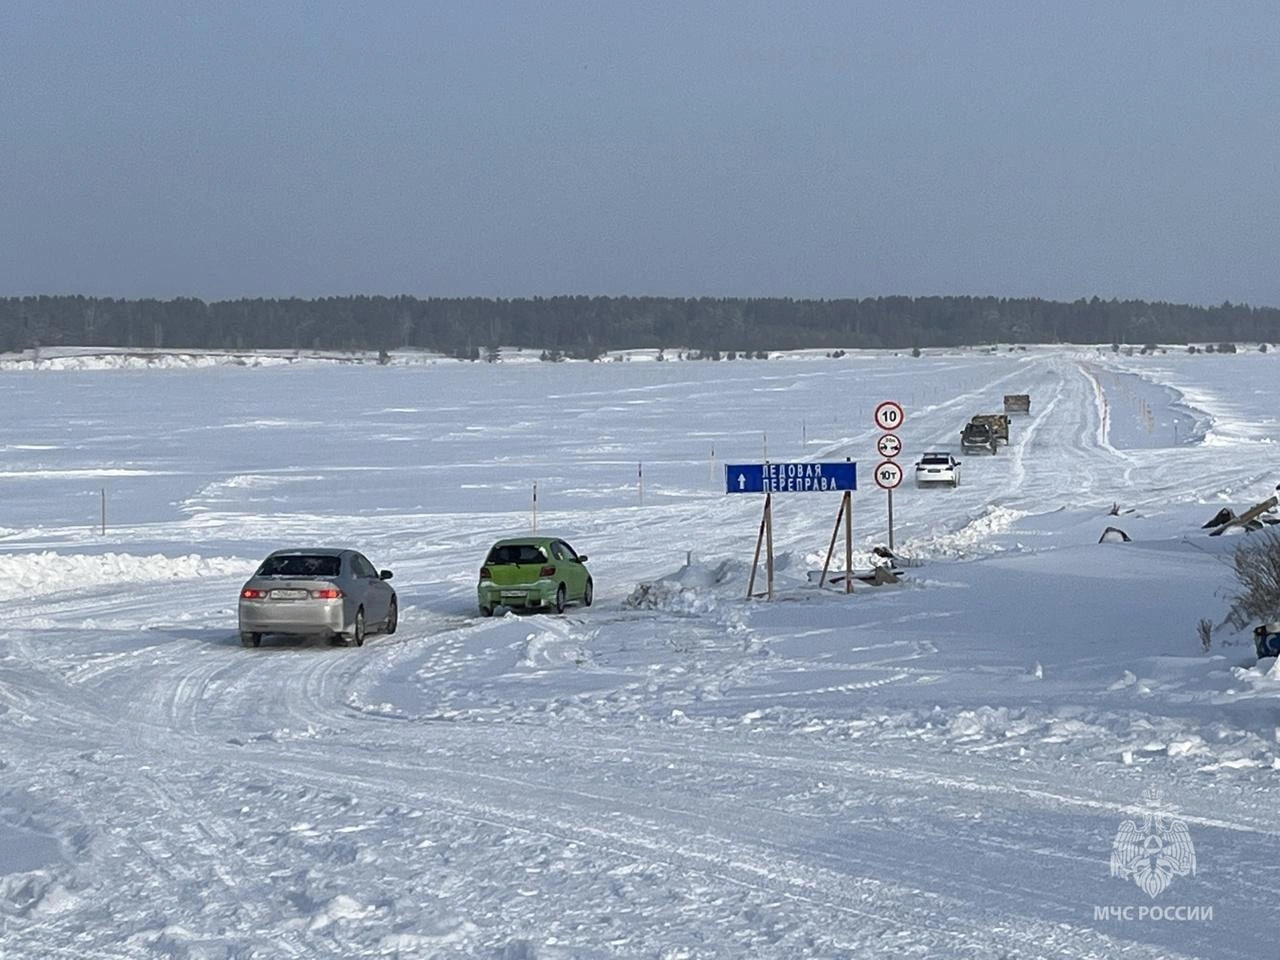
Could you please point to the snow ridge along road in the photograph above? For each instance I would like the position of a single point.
(933, 769)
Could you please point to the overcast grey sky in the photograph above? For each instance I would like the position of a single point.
(225, 149)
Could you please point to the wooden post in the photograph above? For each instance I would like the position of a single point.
(831, 547)
(535, 506)
(640, 481)
(1257, 510)
(755, 560)
(763, 536)
(768, 533)
(846, 514)
(104, 511)
(848, 542)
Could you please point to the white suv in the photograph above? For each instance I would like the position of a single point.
(938, 467)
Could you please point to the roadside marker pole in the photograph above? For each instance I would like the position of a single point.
(535, 506)
(104, 511)
(640, 481)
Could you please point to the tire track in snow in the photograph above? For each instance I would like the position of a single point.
(751, 847)
(728, 843)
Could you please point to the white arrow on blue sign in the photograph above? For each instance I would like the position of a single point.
(790, 477)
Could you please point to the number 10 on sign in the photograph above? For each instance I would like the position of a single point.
(889, 415)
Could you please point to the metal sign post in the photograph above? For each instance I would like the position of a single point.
(889, 493)
(888, 476)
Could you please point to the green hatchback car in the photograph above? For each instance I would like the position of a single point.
(533, 573)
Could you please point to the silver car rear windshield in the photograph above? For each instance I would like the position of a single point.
(300, 565)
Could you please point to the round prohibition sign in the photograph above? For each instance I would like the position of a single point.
(889, 415)
(889, 445)
(888, 475)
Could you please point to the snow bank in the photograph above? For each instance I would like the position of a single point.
(672, 597)
(551, 648)
(696, 589)
(970, 539)
(125, 358)
(40, 574)
(1260, 680)
(133, 358)
(143, 362)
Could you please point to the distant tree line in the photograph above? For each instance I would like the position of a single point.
(580, 326)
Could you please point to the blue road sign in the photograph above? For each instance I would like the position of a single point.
(790, 477)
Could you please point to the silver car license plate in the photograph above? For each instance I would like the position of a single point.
(288, 594)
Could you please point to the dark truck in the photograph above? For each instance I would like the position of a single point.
(998, 422)
(977, 436)
(1017, 403)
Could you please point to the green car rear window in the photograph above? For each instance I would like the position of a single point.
(516, 553)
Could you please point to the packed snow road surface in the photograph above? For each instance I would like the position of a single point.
(938, 768)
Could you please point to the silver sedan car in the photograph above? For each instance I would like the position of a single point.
(325, 593)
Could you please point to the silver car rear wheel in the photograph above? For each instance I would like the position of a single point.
(357, 632)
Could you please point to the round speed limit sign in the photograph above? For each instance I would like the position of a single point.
(889, 445)
(889, 415)
(888, 475)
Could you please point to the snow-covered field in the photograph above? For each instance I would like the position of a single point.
(937, 768)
